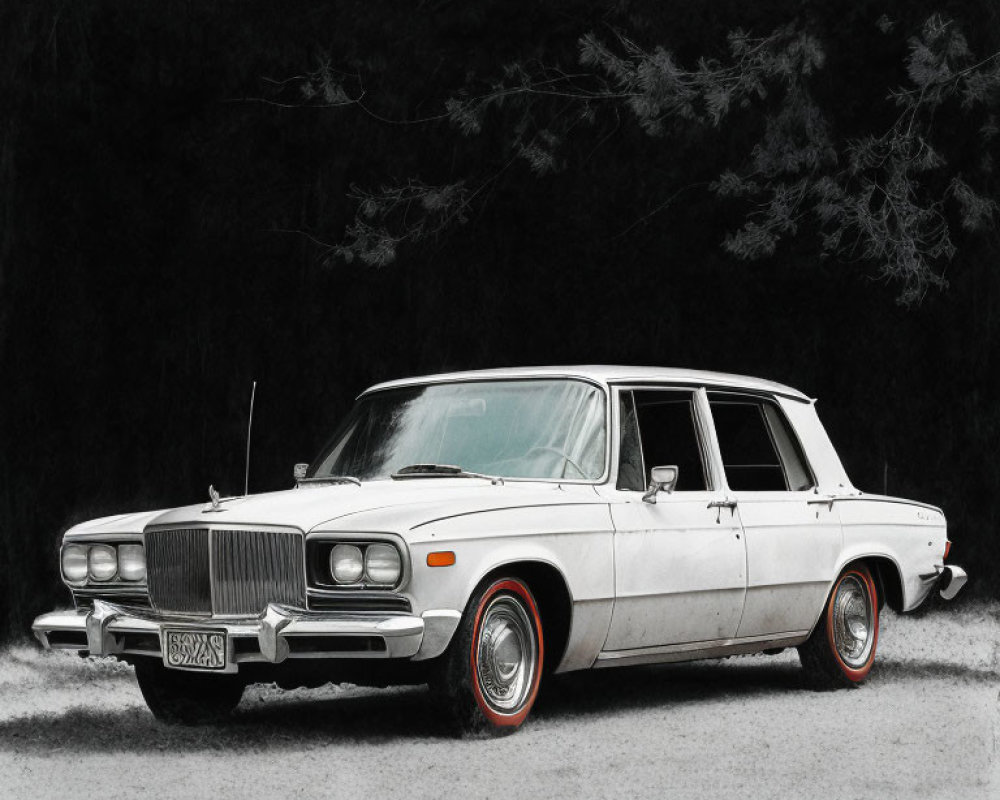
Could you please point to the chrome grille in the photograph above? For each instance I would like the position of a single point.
(224, 571)
(253, 568)
(177, 570)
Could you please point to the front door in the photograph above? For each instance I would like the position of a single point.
(680, 564)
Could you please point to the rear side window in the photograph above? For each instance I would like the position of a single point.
(759, 451)
(662, 424)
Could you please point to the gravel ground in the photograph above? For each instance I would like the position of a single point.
(926, 724)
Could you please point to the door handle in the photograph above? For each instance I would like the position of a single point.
(822, 501)
(718, 505)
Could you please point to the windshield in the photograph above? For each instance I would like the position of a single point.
(550, 429)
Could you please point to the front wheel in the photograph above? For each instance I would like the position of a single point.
(488, 678)
(187, 698)
(841, 650)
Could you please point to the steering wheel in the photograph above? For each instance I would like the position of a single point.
(560, 453)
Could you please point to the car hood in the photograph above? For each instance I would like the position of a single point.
(395, 506)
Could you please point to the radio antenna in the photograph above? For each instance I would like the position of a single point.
(246, 475)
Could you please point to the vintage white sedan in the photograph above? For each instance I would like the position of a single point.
(477, 530)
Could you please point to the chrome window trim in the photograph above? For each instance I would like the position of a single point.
(712, 387)
(711, 452)
(607, 374)
(704, 427)
(617, 392)
(764, 397)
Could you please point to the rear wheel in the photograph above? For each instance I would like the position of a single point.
(187, 698)
(488, 678)
(841, 650)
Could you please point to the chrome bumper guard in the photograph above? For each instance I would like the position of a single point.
(950, 581)
(278, 634)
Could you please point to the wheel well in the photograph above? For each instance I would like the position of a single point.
(887, 581)
(552, 596)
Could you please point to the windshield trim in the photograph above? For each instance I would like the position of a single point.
(603, 388)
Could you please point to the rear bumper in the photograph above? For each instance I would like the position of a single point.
(950, 581)
(278, 634)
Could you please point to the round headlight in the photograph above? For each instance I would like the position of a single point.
(346, 564)
(382, 563)
(131, 562)
(74, 563)
(103, 562)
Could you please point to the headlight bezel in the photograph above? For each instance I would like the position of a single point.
(88, 544)
(350, 556)
(81, 551)
(132, 547)
(378, 550)
(319, 550)
(97, 566)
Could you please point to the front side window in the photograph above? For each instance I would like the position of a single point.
(759, 451)
(662, 424)
(631, 473)
(547, 429)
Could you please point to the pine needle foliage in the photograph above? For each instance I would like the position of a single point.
(890, 199)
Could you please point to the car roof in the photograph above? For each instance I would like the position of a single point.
(606, 375)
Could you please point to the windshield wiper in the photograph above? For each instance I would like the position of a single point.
(440, 471)
(329, 479)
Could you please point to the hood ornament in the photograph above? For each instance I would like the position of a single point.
(215, 502)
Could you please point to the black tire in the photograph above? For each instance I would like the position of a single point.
(841, 650)
(187, 698)
(487, 680)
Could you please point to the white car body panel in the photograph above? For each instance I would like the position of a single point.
(577, 540)
(793, 545)
(680, 573)
(831, 479)
(606, 375)
(911, 535)
(673, 580)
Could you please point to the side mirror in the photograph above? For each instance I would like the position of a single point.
(661, 479)
(299, 471)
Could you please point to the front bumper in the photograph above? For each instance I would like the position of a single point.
(278, 634)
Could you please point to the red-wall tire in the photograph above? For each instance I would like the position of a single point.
(489, 677)
(841, 650)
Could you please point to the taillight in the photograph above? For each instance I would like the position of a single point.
(947, 547)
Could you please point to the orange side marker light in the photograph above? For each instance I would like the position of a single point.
(442, 558)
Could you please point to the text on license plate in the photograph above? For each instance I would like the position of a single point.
(195, 649)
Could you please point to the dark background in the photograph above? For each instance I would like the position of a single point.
(150, 269)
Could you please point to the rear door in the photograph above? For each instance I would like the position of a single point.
(793, 536)
(680, 564)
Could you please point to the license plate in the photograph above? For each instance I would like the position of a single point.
(195, 649)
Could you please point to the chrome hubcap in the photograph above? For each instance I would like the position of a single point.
(853, 622)
(507, 654)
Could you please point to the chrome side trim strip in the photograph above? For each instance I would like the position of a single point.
(692, 651)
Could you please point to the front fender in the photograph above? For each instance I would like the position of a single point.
(575, 540)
